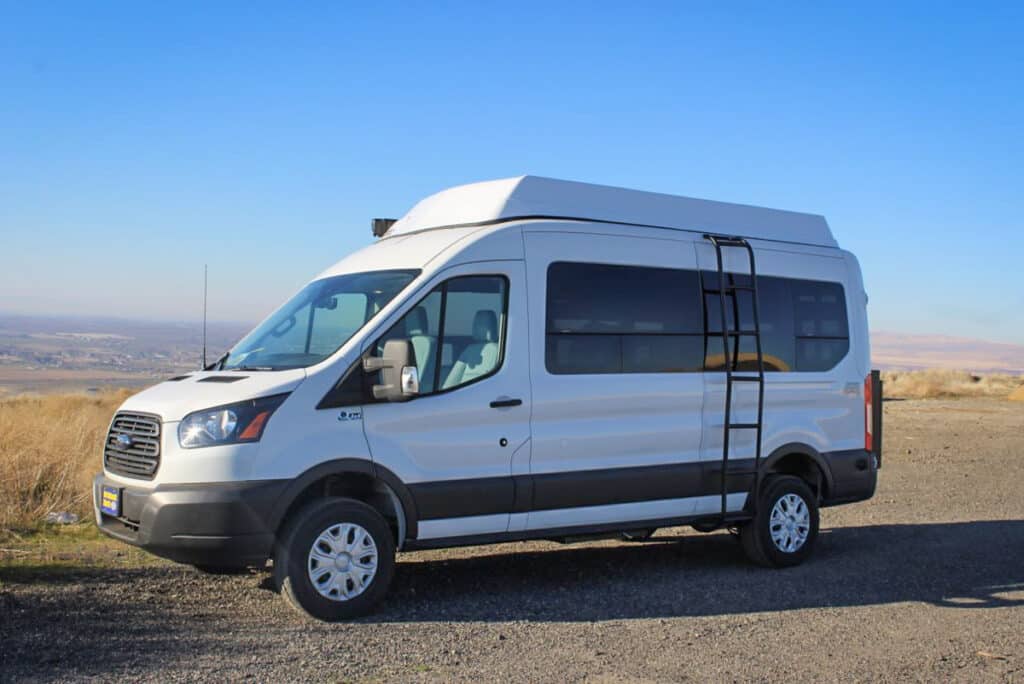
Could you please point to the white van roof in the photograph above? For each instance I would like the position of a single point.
(535, 197)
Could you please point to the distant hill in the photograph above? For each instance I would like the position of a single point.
(61, 353)
(901, 351)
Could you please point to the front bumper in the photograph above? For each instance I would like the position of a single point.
(222, 524)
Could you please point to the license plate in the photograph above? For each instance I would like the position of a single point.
(110, 500)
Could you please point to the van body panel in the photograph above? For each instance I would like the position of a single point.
(511, 199)
(585, 422)
(172, 400)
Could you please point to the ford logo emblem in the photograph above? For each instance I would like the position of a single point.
(124, 441)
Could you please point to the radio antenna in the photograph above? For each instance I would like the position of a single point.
(206, 271)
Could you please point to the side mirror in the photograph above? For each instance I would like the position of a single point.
(400, 380)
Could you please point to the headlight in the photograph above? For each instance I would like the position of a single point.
(241, 422)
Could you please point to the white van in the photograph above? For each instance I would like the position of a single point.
(516, 359)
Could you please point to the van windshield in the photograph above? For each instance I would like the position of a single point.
(317, 321)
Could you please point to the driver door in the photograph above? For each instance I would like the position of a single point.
(453, 444)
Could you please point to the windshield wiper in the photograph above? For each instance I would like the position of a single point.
(219, 363)
(253, 368)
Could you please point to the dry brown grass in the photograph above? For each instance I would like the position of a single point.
(936, 383)
(49, 451)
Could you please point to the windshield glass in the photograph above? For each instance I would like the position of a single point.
(317, 321)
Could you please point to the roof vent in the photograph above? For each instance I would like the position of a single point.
(380, 226)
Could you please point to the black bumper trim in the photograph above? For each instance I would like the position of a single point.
(224, 524)
(854, 476)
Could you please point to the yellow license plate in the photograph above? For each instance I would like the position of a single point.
(110, 500)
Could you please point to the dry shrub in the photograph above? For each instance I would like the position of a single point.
(937, 383)
(50, 449)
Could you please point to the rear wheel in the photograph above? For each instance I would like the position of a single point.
(335, 559)
(785, 525)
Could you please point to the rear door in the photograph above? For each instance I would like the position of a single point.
(616, 349)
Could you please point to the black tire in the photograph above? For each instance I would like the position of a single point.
(756, 535)
(640, 535)
(294, 544)
(222, 569)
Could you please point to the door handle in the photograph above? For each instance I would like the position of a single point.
(504, 402)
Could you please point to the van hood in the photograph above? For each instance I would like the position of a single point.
(174, 399)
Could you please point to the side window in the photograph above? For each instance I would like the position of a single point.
(420, 326)
(604, 318)
(803, 323)
(776, 317)
(822, 332)
(457, 332)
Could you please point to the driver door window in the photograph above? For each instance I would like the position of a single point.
(456, 332)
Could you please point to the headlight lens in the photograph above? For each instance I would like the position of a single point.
(241, 422)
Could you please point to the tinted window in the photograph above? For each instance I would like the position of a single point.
(803, 323)
(622, 319)
(600, 298)
(822, 332)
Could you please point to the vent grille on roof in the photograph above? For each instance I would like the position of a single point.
(132, 448)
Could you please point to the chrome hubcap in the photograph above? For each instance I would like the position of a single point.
(342, 562)
(790, 523)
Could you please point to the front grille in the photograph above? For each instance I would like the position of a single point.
(141, 457)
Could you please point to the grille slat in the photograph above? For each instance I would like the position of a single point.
(142, 458)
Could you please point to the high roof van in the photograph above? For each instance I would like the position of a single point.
(516, 359)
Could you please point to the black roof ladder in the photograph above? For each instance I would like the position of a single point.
(728, 296)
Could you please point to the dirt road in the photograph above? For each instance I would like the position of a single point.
(924, 582)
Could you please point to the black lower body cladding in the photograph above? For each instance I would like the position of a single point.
(848, 476)
(224, 524)
(854, 475)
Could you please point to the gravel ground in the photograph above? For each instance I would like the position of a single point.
(923, 582)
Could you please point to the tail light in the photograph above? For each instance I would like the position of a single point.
(869, 414)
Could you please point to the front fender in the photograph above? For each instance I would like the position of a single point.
(341, 467)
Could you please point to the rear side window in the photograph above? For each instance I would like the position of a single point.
(604, 318)
(822, 333)
(803, 323)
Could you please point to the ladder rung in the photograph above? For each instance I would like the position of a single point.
(743, 426)
(747, 378)
(728, 241)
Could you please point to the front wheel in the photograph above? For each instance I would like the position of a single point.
(785, 525)
(335, 559)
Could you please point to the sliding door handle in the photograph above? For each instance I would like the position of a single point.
(504, 402)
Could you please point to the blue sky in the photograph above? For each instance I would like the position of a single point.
(138, 141)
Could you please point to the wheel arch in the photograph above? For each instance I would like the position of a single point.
(359, 479)
(800, 459)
